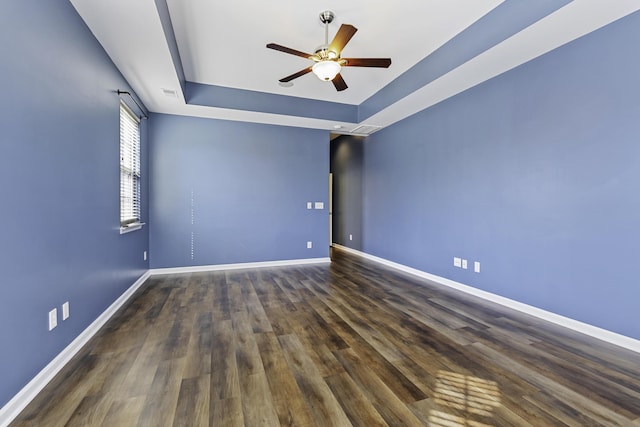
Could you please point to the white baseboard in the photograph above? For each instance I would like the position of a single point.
(13, 408)
(599, 333)
(218, 267)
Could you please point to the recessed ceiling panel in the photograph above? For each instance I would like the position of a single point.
(438, 48)
(223, 43)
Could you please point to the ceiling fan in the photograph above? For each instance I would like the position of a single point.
(327, 56)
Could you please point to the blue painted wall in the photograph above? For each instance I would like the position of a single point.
(346, 167)
(250, 100)
(535, 174)
(231, 192)
(59, 186)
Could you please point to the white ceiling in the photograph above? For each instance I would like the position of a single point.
(223, 44)
(237, 32)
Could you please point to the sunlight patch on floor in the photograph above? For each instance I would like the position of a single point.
(472, 400)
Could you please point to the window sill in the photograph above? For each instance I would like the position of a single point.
(131, 227)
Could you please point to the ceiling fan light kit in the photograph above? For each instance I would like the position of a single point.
(326, 70)
(328, 62)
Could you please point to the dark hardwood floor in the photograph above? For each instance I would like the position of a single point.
(351, 343)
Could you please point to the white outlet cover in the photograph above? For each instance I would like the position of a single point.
(319, 205)
(457, 262)
(476, 266)
(65, 310)
(464, 264)
(53, 318)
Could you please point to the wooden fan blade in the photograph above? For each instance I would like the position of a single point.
(296, 75)
(342, 37)
(339, 83)
(289, 50)
(367, 62)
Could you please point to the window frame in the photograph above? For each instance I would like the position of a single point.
(130, 170)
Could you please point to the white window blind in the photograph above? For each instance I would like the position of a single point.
(129, 166)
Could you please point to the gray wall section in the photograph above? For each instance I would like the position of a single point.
(230, 192)
(346, 167)
(59, 186)
(534, 174)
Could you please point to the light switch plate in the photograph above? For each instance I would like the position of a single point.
(65, 310)
(319, 205)
(476, 266)
(53, 318)
(309, 245)
(464, 264)
(457, 262)
(309, 205)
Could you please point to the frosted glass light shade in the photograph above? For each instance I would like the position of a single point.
(326, 70)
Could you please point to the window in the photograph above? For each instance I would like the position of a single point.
(129, 167)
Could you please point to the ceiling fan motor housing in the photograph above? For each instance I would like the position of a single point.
(323, 53)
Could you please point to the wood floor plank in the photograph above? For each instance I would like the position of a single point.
(92, 411)
(226, 412)
(224, 370)
(387, 371)
(316, 341)
(586, 406)
(358, 408)
(560, 411)
(73, 388)
(290, 405)
(323, 404)
(279, 318)
(192, 409)
(388, 405)
(346, 343)
(257, 404)
(220, 309)
(161, 399)
(247, 355)
(142, 371)
(257, 316)
(124, 412)
(198, 355)
(234, 294)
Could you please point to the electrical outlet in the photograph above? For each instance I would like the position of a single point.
(476, 266)
(457, 262)
(144, 255)
(464, 264)
(309, 245)
(53, 318)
